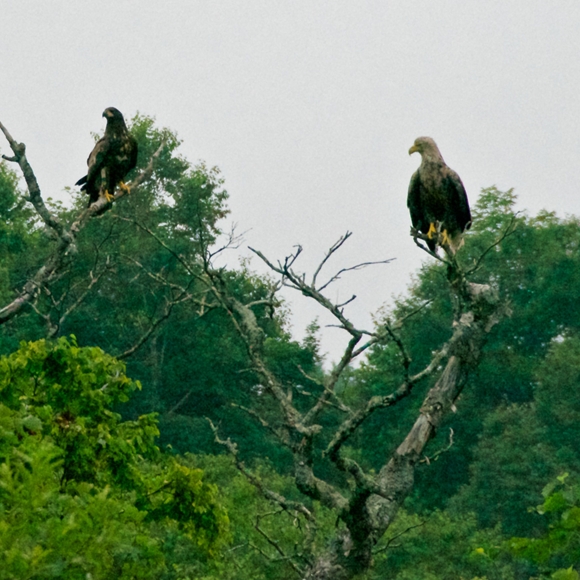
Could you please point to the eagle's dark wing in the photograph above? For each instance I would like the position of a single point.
(97, 158)
(414, 201)
(95, 162)
(458, 200)
(121, 158)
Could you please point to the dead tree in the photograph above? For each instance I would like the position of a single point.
(368, 507)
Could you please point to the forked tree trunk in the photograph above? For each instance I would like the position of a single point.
(349, 553)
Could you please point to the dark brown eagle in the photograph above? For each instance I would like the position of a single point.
(437, 199)
(113, 156)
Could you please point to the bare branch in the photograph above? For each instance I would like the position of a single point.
(270, 495)
(404, 354)
(275, 543)
(330, 384)
(343, 304)
(265, 302)
(188, 267)
(397, 536)
(51, 329)
(331, 251)
(245, 323)
(365, 484)
(153, 326)
(233, 242)
(297, 282)
(181, 402)
(256, 416)
(153, 275)
(338, 405)
(351, 424)
(436, 455)
(353, 268)
(93, 280)
(35, 196)
(417, 235)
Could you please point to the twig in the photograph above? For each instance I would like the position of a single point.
(353, 268)
(418, 235)
(83, 295)
(166, 314)
(509, 230)
(396, 536)
(328, 254)
(270, 495)
(233, 242)
(436, 455)
(180, 402)
(178, 257)
(256, 416)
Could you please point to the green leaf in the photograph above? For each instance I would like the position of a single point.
(568, 574)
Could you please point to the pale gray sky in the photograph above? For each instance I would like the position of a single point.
(309, 108)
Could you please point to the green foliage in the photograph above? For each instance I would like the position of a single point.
(439, 546)
(512, 461)
(23, 246)
(71, 391)
(558, 398)
(558, 550)
(45, 533)
(81, 491)
(258, 524)
(16, 220)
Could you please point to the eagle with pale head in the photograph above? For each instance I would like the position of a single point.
(437, 199)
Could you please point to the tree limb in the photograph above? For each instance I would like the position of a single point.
(270, 495)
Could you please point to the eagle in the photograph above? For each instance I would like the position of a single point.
(113, 156)
(437, 199)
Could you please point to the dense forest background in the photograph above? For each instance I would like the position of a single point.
(120, 378)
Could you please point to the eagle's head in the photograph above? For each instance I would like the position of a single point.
(115, 121)
(112, 114)
(427, 148)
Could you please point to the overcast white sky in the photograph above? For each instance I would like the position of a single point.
(309, 108)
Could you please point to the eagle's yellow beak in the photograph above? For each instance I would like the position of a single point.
(413, 150)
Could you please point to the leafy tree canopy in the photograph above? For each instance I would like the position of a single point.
(82, 491)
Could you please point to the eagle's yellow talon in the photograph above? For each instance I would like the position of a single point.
(445, 239)
(125, 187)
(109, 196)
(431, 231)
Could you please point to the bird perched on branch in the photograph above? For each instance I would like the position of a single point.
(113, 156)
(437, 199)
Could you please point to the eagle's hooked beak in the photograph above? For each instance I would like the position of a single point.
(413, 149)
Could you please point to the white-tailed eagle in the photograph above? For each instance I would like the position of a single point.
(437, 199)
(113, 156)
